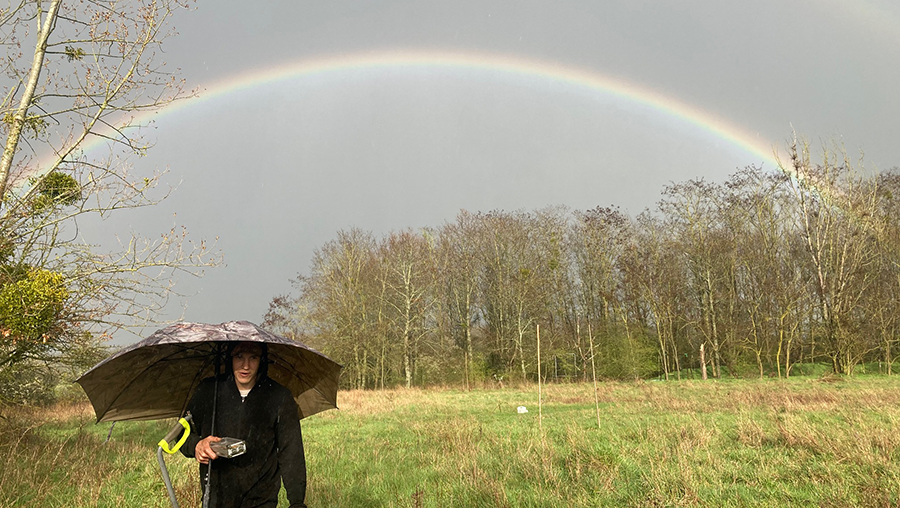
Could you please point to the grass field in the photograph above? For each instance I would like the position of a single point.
(803, 442)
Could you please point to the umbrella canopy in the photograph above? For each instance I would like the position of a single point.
(156, 377)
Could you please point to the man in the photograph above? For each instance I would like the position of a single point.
(252, 407)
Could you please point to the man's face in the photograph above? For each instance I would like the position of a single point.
(245, 364)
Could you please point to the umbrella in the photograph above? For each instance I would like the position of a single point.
(156, 377)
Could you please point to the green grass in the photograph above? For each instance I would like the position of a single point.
(802, 442)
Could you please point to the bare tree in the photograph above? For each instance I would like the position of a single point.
(459, 274)
(654, 271)
(555, 307)
(513, 278)
(693, 209)
(93, 70)
(770, 276)
(882, 301)
(836, 205)
(409, 279)
(338, 302)
(599, 239)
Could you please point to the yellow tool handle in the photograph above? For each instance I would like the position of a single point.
(164, 443)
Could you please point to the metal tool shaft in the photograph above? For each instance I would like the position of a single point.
(165, 475)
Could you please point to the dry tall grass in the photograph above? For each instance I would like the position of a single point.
(56, 456)
(689, 443)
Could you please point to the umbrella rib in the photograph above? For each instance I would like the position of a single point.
(194, 384)
(323, 397)
(304, 375)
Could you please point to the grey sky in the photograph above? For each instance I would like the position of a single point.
(275, 171)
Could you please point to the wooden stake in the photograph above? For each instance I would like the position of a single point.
(540, 395)
(594, 374)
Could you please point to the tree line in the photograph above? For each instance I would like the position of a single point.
(754, 276)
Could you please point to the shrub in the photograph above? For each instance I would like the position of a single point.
(28, 384)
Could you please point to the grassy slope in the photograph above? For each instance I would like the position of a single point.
(731, 443)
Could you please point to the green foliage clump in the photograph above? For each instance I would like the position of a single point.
(7, 248)
(73, 53)
(56, 188)
(35, 123)
(29, 307)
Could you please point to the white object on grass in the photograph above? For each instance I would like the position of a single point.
(522, 409)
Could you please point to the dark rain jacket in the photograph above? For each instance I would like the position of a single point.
(268, 421)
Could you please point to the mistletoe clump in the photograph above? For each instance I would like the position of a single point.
(30, 306)
(57, 188)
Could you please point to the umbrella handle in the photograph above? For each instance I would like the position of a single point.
(170, 437)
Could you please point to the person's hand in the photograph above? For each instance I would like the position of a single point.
(203, 452)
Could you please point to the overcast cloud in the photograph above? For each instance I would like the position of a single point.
(275, 171)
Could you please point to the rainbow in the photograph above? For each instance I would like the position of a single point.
(511, 66)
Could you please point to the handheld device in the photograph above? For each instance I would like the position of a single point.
(229, 447)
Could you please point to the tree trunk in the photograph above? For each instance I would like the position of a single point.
(787, 357)
(671, 334)
(21, 113)
(407, 367)
(713, 328)
(383, 354)
(594, 375)
(887, 355)
(781, 347)
(522, 357)
(662, 349)
(364, 368)
(358, 369)
(468, 340)
(703, 361)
